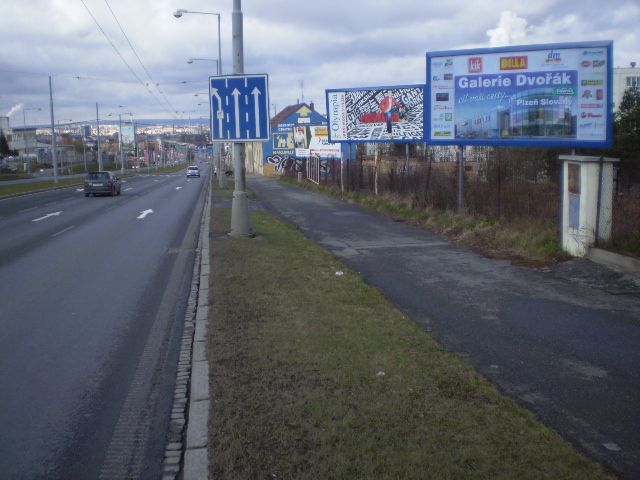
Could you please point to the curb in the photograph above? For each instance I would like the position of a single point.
(187, 448)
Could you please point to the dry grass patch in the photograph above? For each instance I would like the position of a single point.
(315, 375)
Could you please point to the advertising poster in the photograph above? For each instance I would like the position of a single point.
(314, 141)
(379, 114)
(545, 95)
(128, 135)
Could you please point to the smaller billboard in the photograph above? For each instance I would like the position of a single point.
(376, 114)
(128, 137)
(535, 95)
(313, 140)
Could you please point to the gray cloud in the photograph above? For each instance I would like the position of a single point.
(329, 44)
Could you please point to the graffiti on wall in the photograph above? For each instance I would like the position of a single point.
(284, 163)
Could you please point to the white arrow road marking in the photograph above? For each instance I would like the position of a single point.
(178, 188)
(144, 213)
(54, 214)
(236, 104)
(256, 106)
(127, 189)
(219, 112)
(79, 189)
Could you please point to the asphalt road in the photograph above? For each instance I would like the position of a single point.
(93, 292)
(563, 341)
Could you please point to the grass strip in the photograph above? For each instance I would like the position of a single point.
(314, 374)
(17, 188)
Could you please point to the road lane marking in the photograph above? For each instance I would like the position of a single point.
(63, 231)
(179, 188)
(79, 189)
(144, 213)
(127, 189)
(54, 214)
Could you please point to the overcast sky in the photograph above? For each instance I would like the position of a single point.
(305, 46)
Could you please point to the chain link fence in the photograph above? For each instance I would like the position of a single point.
(507, 184)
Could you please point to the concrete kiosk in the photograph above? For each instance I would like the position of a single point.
(587, 202)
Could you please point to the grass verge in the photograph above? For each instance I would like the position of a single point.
(38, 186)
(315, 375)
(525, 243)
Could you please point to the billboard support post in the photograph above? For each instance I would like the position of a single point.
(460, 155)
(406, 162)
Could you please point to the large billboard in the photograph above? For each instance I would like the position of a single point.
(378, 114)
(535, 95)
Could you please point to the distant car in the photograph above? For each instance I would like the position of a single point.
(101, 183)
(193, 171)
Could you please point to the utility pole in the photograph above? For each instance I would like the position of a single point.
(53, 135)
(98, 139)
(240, 221)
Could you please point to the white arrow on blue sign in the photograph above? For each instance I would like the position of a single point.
(239, 108)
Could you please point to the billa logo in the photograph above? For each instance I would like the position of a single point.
(475, 65)
(514, 63)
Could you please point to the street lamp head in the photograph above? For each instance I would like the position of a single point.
(178, 13)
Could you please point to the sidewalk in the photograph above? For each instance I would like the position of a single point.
(563, 340)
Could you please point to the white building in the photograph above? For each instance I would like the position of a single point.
(624, 78)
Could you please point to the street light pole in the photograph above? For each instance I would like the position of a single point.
(178, 13)
(120, 142)
(240, 221)
(191, 60)
(53, 135)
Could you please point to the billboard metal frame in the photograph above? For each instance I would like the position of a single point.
(520, 142)
(384, 87)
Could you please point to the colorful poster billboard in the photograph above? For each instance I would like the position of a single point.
(376, 114)
(314, 141)
(128, 135)
(536, 95)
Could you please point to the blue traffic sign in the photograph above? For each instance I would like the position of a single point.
(239, 108)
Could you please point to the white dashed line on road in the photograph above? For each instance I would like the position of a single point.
(63, 231)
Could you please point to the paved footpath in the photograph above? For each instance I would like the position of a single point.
(563, 341)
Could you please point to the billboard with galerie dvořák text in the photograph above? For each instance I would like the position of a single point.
(537, 95)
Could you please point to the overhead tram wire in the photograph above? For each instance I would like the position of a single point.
(122, 58)
(138, 57)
